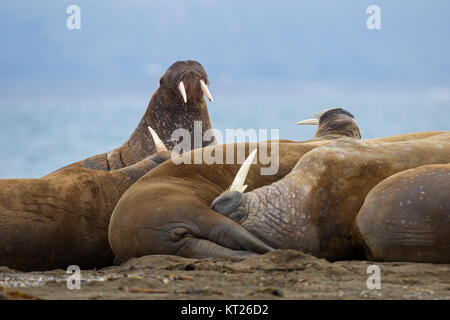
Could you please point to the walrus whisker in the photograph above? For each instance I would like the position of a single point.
(238, 182)
(308, 122)
(182, 91)
(206, 90)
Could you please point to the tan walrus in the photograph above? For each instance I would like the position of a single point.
(62, 219)
(406, 217)
(168, 211)
(313, 208)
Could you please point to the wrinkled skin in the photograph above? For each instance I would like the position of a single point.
(62, 219)
(312, 209)
(168, 211)
(165, 113)
(406, 217)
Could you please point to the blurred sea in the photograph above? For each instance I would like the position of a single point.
(40, 134)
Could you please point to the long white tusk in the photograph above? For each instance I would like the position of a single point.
(238, 183)
(160, 146)
(182, 91)
(205, 90)
(309, 121)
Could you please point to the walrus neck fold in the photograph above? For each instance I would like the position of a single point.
(127, 176)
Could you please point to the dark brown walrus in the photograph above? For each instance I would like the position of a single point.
(177, 103)
(168, 211)
(406, 217)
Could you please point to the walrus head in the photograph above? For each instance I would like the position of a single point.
(186, 81)
(334, 123)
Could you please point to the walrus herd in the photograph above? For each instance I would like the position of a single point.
(335, 196)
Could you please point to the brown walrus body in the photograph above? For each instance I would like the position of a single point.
(406, 217)
(62, 219)
(165, 113)
(168, 211)
(313, 208)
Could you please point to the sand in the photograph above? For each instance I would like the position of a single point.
(281, 274)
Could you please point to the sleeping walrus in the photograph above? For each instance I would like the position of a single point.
(169, 211)
(309, 205)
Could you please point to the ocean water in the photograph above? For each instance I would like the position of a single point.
(40, 134)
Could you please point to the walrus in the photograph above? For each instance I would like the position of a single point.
(168, 211)
(312, 209)
(178, 103)
(62, 219)
(406, 217)
(36, 215)
(334, 123)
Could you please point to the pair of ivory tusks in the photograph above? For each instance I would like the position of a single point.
(202, 85)
(238, 182)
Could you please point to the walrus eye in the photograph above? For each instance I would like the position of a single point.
(182, 91)
(205, 90)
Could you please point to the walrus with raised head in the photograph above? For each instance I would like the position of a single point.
(62, 218)
(406, 217)
(334, 123)
(178, 103)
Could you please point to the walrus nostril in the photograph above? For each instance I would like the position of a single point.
(227, 202)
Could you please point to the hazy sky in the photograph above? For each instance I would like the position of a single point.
(126, 45)
(68, 94)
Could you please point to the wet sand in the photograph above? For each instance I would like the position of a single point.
(281, 274)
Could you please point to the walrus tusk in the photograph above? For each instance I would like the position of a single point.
(206, 90)
(238, 182)
(309, 121)
(160, 146)
(182, 91)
